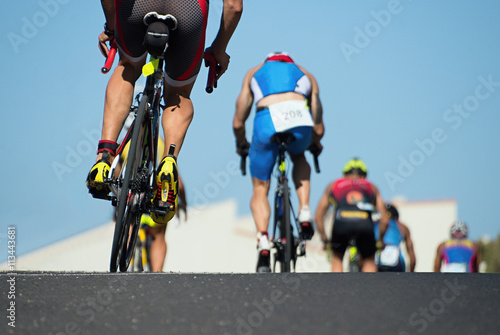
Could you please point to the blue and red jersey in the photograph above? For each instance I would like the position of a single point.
(459, 255)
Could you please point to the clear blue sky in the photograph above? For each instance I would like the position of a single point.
(411, 87)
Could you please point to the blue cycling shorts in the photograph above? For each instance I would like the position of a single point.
(263, 152)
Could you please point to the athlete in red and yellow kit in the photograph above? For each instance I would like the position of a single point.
(354, 199)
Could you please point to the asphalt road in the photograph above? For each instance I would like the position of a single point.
(244, 304)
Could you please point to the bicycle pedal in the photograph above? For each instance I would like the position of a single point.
(301, 249)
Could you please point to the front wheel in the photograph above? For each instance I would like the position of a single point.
(286, 229)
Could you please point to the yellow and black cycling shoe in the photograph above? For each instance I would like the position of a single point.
(96, 179)
(167, 181)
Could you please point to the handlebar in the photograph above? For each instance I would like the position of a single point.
(315, 152)
(110, 59)
(243, 162)
(208, 57)
(212, 68)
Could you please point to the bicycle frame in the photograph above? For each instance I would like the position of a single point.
(284, 216)
(141, 160)
(153, 91)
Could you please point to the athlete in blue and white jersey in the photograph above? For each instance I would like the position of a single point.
(287, 99)
(391, 258)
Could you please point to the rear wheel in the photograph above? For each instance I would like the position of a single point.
(128, 214)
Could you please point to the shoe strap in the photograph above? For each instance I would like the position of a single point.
(107, 146)
(105, 158)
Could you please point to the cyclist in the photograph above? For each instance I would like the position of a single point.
(279, 87)
(391, 259)
(458, 254)
(354, 199)
(183, 60)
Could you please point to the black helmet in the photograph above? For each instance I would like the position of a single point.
(393, 212)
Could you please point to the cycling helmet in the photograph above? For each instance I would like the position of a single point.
(279, 57)
(393, 212)
(356, 166)
(458, 229)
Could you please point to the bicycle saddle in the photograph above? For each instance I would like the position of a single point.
(156, 39)
(283, 138)
(169, 20)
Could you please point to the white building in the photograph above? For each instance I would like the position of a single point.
(429, 223)
(214, 239)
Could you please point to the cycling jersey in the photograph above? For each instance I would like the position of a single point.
(353, 201)
(293, 116)
(279, 77)
(391, 258)
(458, 255)
(186, 43)
(351, 196)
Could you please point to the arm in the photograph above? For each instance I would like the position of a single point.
(384, 218)
(243, 109)
(316, 110)
(108, 7)
(439, 258)
(409, 245)
(321, 210)
(231, 14)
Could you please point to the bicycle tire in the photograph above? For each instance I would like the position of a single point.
(129, 241)
(135, 262)
(147, 250)
(286, 227)
(121, 232)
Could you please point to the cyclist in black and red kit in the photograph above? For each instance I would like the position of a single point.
(124, 23)
(354, 199)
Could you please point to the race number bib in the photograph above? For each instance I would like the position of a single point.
(454, 267)
(389, 256)
(290, 114)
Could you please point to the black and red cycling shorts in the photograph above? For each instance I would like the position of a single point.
(186, 43)
(358, 228)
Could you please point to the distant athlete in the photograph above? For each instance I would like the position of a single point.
(458, 254)
(391, 258)
(354, 198)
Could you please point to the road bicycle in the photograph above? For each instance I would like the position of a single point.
(134, 186)
(285, 244)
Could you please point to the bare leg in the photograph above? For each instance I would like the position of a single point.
(259, 204)
(337, 262)
(301, 178)
(368, 264)
(158, 248)
(119, 95)
(177, 116)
